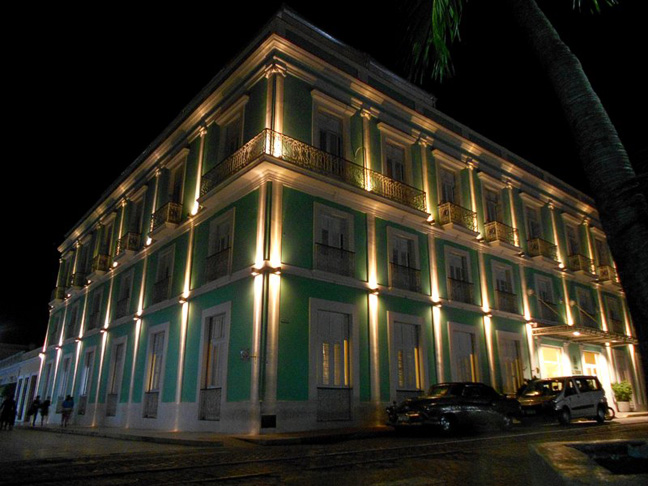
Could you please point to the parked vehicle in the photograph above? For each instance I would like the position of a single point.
(564, 398)
(454, 405)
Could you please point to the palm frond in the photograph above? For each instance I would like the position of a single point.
(593, 6)
(433, 26)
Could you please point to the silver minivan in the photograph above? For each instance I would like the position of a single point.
(565, 398)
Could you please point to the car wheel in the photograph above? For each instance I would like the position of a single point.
(609, 413)
(600, 414)
(507, 422)
(564, 416)
(447, 423)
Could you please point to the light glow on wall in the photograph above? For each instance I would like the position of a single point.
(438, 342)
(104, 338)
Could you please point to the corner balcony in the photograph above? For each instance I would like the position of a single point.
(607, 275)
(166, 219)
(542, 249)
(312, 159)
(453, 216)
(78, 280)
(579, 263)
(128, 245)
(100, 265)
(502, 235)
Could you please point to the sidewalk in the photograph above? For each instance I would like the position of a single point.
(209, 439)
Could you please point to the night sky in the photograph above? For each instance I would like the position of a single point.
(87, 97)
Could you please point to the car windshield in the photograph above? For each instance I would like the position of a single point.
(543, 388)
(449, 390)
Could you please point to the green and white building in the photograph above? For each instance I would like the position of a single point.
(312, 239)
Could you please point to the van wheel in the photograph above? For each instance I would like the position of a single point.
(564, 416)
(600, 414)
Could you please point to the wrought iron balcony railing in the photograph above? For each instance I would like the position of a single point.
(312, 159)
(217, 265)
(540, 247)
(101, 263)
(334, 260)
(461, 291)
(506, 301)
(578, 262)
(453, 213)
(169, 213)
(129, 242)
(78, 279)
(161, 290)
(496, 231)
(406, 278)
(606, 273)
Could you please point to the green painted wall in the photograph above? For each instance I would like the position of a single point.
(298, 109)
(294, 340)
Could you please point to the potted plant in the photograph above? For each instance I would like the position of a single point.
(622, 395)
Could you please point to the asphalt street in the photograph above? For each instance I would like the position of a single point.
(384, 459)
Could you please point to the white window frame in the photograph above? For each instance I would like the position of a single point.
(392, 235)
(542, 278)
(519, 338)
(317, 305)
(400, 140)
(64, 381)
(113, 371)
(166, 251)
(423, 370)
(88, 378)
(232, 113)
(214, 223)
(160, 328)
(455, 326)
(462, 253)
(73, 321)
(323, 103)
(569, 226)
(222, 309)
(561, 359)
(319, 210)
(129, 274)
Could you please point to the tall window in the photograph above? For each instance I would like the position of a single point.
(65, 377)
(124, 298)
(156, 357)
(460, 287)
(590, 363)
(86, 373)
(406, 360)
(493, 205)
(95, 311)
(162, 286)
(534, 228)
(215, 345)
(116, 368)
(220, 242)
(504, 293)
(510, 354)
(615, 317)
(136, 216)
(545, 298)
(71, 328)
(233, 136)
(330, 133)
(573, 245)
(587, 309)
(404, 270)
(395, 161)
(602, 254)
(334, 241)
(464, 354)
(176, 183)
(449, 186)
(333, 340)
(105, 245)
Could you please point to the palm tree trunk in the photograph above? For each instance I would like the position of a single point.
(622, 205)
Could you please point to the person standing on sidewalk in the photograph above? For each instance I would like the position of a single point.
(67, 407)
(44, 410)
(33, 409)
(7, 413)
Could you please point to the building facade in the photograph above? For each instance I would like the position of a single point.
(310, 240)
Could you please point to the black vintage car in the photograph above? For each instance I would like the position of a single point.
(454, 405)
